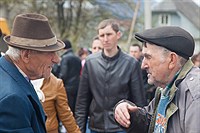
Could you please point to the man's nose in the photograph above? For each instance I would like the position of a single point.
(144, 64)
(56, 58)
(105, 38)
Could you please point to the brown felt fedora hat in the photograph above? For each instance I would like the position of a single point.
(32, 31)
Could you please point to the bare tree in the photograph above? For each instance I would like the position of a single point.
(75, 20)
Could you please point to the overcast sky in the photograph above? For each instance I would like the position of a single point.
(197, 1)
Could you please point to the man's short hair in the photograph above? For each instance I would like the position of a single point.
(114, 24)
(137, 45)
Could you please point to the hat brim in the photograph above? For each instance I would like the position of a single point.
(56, 47)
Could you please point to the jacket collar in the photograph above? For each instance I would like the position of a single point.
(111, 58)
(68, 51)
(185, 69)
(27, 87)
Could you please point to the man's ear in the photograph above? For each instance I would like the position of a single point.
(118, 35)
(173, 60)
(25, 55)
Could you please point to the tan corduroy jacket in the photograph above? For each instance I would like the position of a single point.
(56, 104)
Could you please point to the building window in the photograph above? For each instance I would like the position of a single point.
(164, 19)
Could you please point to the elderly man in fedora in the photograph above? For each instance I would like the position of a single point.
(31, 55)
(176, 106)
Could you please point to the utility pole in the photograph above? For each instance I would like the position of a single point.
(133, 22)
(147, 14)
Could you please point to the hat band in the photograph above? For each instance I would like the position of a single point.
(33, 42)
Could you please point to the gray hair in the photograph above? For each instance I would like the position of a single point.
(165, 52)
(13, 52)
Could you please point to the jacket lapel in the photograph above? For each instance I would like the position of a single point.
(27, 87)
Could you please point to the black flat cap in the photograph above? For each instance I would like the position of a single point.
(172, 38)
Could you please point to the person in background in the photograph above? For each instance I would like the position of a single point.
(31, 55)
(82, 53)
(135, 51)
(5, 31)
(1, 36)
(52, 95)
(196, 59)
(96, 45)
(0, 32)
(108, 77)
(70, 67)
(175, 108)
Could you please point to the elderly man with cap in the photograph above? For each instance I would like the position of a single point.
(175, 108)
(31, 55)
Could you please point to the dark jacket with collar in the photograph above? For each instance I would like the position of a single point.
(104, 82)
(20, 108)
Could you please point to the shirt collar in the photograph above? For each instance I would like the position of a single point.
(20, 70)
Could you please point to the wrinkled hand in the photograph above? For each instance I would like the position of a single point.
(122, 115)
